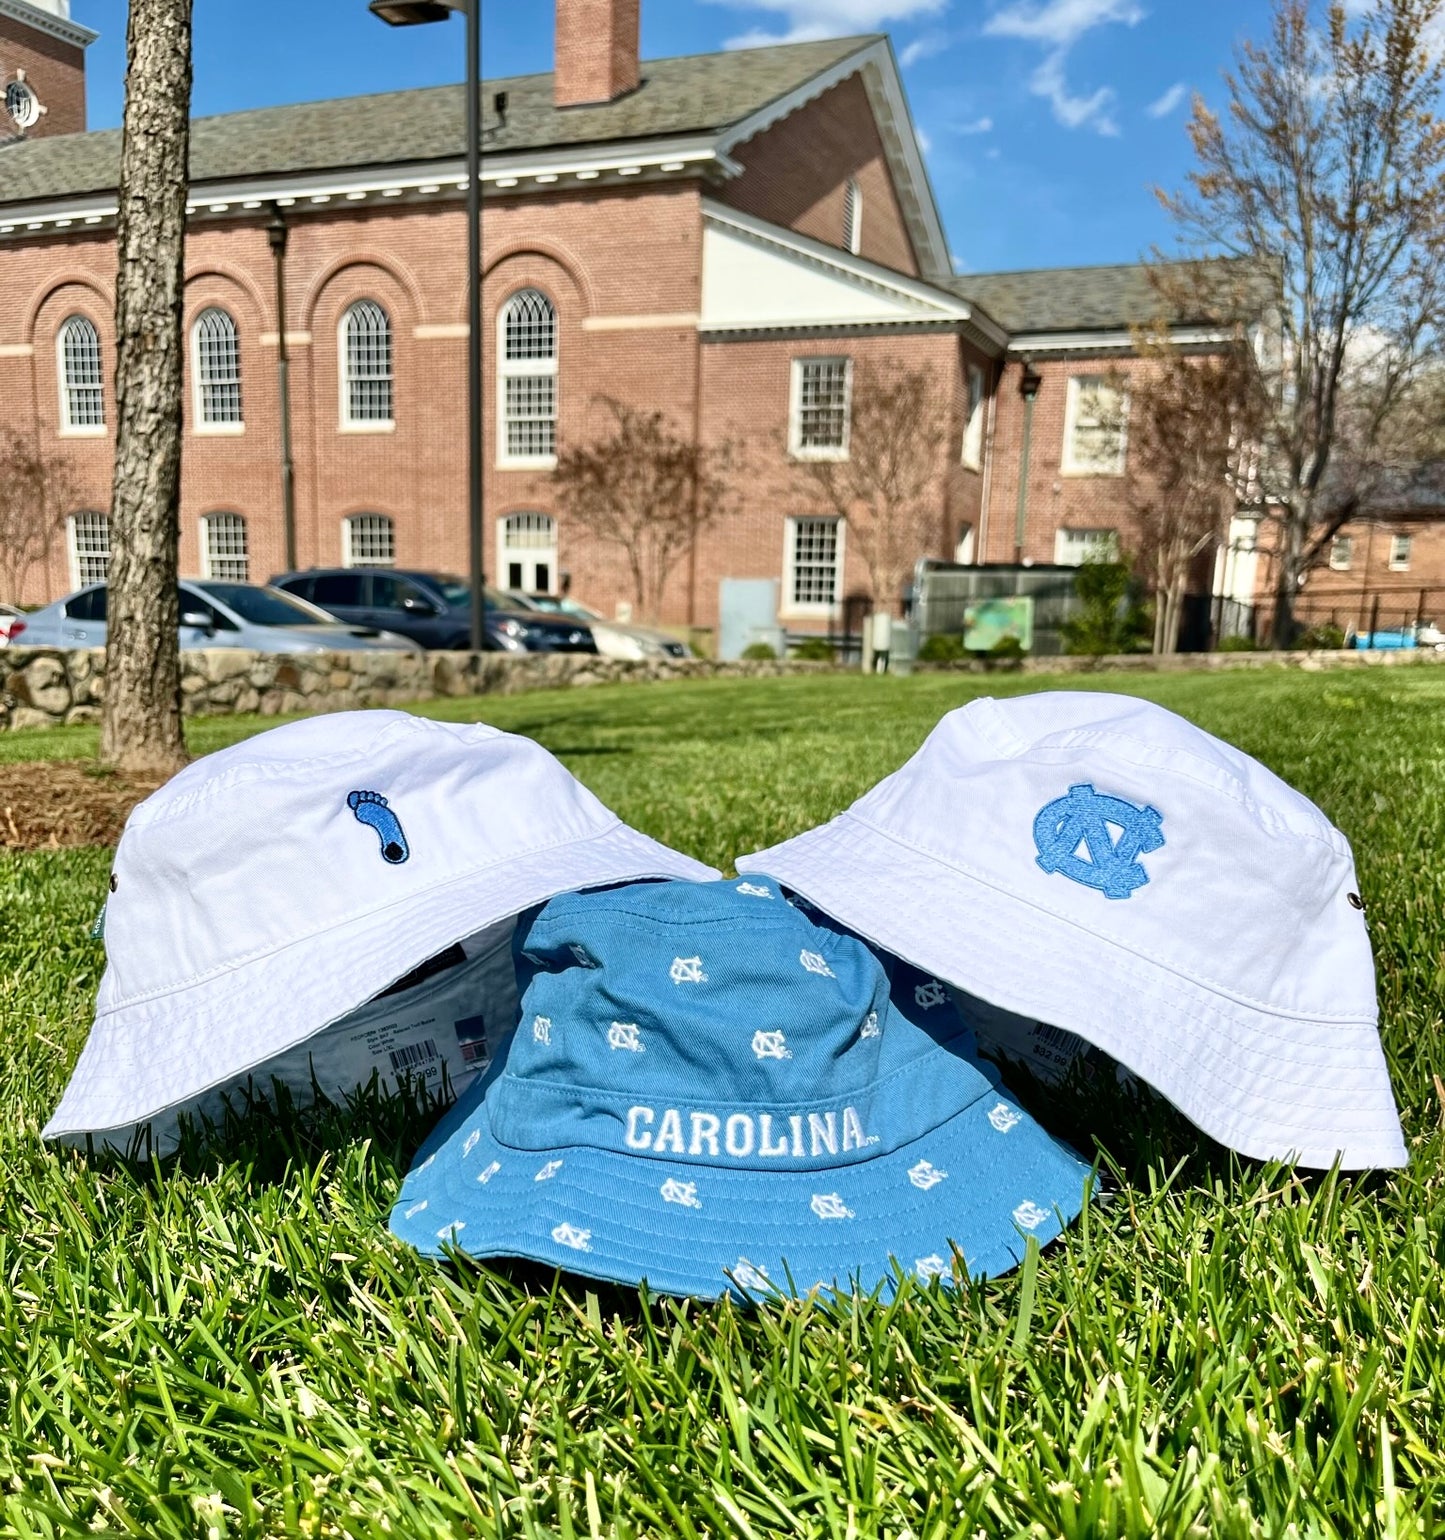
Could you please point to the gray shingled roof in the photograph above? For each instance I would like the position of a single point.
(1069, 299)
(700, 94)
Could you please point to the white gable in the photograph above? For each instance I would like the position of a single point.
(757, 276)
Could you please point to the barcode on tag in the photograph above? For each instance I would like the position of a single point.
(1056, 1038)
(413, 1056)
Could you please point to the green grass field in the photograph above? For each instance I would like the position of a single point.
(232, 1345)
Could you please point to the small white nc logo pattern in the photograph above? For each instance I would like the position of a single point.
(451, 1231)
(754, 891)
(582, 955)
(548, 1171)
(570, 1235)
(925, 1175)
(416, 1209)
(931, 1267)
(771, 1045)
(870, 1028)
(485, 1176)
(426, 1162)
(1003, 1117)
(749, 1277)
(541, 1029)
(687, 970)
(470, 1142)
(1029, 1215)
(815, 962)
(930, 995)
(684, 1193)
(828, 1205)
(623, 1034)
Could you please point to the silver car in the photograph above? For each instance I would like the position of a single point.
(244, 615)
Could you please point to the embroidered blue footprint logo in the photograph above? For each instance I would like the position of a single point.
(372, 808)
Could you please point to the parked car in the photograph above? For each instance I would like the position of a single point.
(12, 623)
(242, 615)
(434, 609)
(614, 639)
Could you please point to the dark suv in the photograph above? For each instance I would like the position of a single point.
(432, 608)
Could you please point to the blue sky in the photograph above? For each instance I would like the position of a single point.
(1046, 122)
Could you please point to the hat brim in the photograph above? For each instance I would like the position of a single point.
(152, 1055)
(1269, 1085)
(606, 1214)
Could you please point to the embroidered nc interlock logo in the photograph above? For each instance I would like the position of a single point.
(1097, 840)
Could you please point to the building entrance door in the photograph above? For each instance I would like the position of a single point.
(527, 553)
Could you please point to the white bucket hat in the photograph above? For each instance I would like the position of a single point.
(280, 887)
(1097, 863)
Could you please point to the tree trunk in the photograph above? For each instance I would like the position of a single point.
(141, 727)
(1291, 558)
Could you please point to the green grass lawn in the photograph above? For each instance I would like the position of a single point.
(232, 1345)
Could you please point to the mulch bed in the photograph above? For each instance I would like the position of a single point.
(52, 804)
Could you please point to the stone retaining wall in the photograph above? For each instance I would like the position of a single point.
(44, 686)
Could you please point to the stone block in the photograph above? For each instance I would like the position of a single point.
(28, 716)
(223, 663)
(44, 685)
(82, 716)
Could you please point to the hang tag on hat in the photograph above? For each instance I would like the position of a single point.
(445, 1024)
(1048, 1052)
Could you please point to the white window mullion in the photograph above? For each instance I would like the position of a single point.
(527, 381)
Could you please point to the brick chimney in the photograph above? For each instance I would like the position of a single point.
(598, 42)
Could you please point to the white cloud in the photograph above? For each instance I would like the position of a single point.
(976, 126)
(1168, 102)
(924, 142)
(806, 20)
(1058, 25)
(923, 47)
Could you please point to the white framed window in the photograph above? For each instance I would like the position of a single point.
(527, 387)
(821, 407)
(527, 552)
(853, 217)
(82, 378)
(224, 557)
(367, 404)
(813, 566)
(1096, 425)
(368, 540)
(1342, 553)
(973, 424)
(87, 543)
(216, 372)
(1073, 547)
(1400, 546)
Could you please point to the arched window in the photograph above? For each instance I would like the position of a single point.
(82, 384)
(366, 381)
(224, 558)
(852, 217)
(527, 552)
(368, 540)
(216, 367)
(87, 536)
(527, 390)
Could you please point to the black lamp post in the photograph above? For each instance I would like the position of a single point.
(413, 13)
(1029, 384)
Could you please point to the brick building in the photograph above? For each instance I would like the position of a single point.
(726, 237)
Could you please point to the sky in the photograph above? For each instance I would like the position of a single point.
(1046, 123)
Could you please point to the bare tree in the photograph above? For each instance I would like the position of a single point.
(888, 488)
(1193, 425)
(36, 489)
(141, 726)
(646, 490)
(1327, 168)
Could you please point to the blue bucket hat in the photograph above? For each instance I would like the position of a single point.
(710, 1092)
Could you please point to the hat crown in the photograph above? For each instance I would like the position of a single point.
(712, 1020)
(278, 839)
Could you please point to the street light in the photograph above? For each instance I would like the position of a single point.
(415, 13)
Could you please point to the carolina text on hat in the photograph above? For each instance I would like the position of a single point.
(738, 1135)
